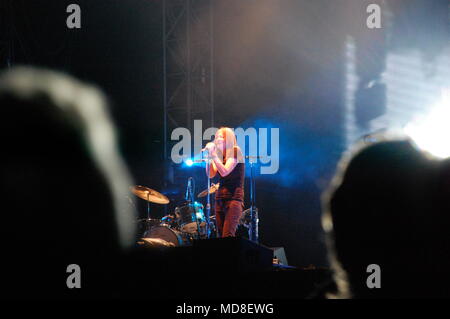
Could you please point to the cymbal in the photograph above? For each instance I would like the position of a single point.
(212, 190)
(149, 194)
(149, 221)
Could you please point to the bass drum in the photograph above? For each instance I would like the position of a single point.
(160, 236)
(145, 224)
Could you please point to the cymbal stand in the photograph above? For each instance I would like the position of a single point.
(148, 212)
(191, 204)
(208, 201)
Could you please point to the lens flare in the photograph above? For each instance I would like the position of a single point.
(431, 133)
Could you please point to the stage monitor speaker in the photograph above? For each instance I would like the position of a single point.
(278, 253)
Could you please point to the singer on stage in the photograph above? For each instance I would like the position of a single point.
(228, 161)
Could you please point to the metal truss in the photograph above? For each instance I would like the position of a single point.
(6, 33)
(188, 69)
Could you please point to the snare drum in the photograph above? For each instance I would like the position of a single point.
(188, 215)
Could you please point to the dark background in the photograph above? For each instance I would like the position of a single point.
(277, 64)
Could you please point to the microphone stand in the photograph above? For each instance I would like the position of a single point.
(191, 205)
(208, 199)
(208, 202)
(253, 231)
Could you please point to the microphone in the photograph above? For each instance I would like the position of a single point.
(206, 147)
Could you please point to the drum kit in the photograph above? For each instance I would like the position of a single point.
(191, 220)
(188, 222)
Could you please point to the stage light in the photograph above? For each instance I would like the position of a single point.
(431, 132)
(189, 162)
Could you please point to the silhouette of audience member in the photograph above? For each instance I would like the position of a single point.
(388, 206)
(63, 187)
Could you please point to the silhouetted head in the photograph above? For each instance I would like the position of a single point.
(386, 207)
(63, 182)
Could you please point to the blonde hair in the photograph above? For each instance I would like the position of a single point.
(231, 146)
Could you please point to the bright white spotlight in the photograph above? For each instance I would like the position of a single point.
(432, 132)
(189, 162)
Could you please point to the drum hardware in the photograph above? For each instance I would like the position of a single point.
(190, 215)
(177, 229)
(207, 160)
(166, 236)
(169, 221)
(253, 215)
(212, 190)
(151, 196)
(209, 190)
(212, 228)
